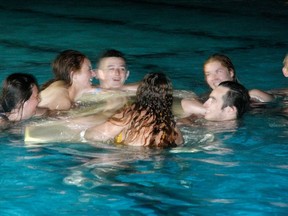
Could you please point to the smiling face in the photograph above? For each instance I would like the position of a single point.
(112, 72)
(214, 106)
(85, 75)
(215, 73)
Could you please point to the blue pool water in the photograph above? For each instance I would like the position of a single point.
(221, 170)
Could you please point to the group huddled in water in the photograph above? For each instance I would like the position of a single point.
(147, 120)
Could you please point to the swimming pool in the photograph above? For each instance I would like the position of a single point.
(239, 170)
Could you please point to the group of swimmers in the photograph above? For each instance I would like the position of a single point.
(149, 119)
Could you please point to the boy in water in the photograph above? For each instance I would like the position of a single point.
(227, 102)
(112, 71)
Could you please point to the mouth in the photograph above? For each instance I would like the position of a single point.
(116, 79)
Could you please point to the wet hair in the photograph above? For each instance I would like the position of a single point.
(150, 114)
(225, 61)
(111, 53)
(237, 96)
(63, 64)
(17, 89)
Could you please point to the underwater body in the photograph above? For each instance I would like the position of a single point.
(220, 170)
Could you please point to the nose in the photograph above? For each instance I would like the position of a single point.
(206, 104)
(117, 71)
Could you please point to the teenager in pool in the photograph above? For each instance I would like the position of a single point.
(112, 71)
(228, 101)
(218, 68)
(73, 75)
(73, 78)
(146, 122)
(19, 98)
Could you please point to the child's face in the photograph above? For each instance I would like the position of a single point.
(112, 72)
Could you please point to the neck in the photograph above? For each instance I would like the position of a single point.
(76, 92)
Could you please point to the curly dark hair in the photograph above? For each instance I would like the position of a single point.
(151, 114)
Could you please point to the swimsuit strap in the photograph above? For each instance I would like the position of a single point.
(119, 138)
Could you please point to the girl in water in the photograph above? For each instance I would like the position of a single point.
(73, 74)
(219, 68)
(19, 98)
(146, 122)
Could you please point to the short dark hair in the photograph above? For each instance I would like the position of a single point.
(237, 96)
(111, 53)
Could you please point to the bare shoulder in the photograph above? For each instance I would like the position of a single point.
(55, 97)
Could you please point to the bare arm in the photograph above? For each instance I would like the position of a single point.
(102, 132)
(192, 106)
(130, 87)
(261, 96)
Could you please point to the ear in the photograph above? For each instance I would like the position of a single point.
(127, 74)
(232, 74)
(231, 109)
(231, 112)
(99, 74)
(72, 75)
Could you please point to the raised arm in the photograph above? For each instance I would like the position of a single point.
(192, 106)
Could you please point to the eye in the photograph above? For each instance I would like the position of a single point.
(123, 69)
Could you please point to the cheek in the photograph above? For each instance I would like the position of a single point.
(226, 77)
(33, 104)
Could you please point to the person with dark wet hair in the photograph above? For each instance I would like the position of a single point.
(73, 76)
(228, 101)
(19, 98)
(219, 68)
(148, 121)
(112, 71)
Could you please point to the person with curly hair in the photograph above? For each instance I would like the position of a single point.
(148, 121)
